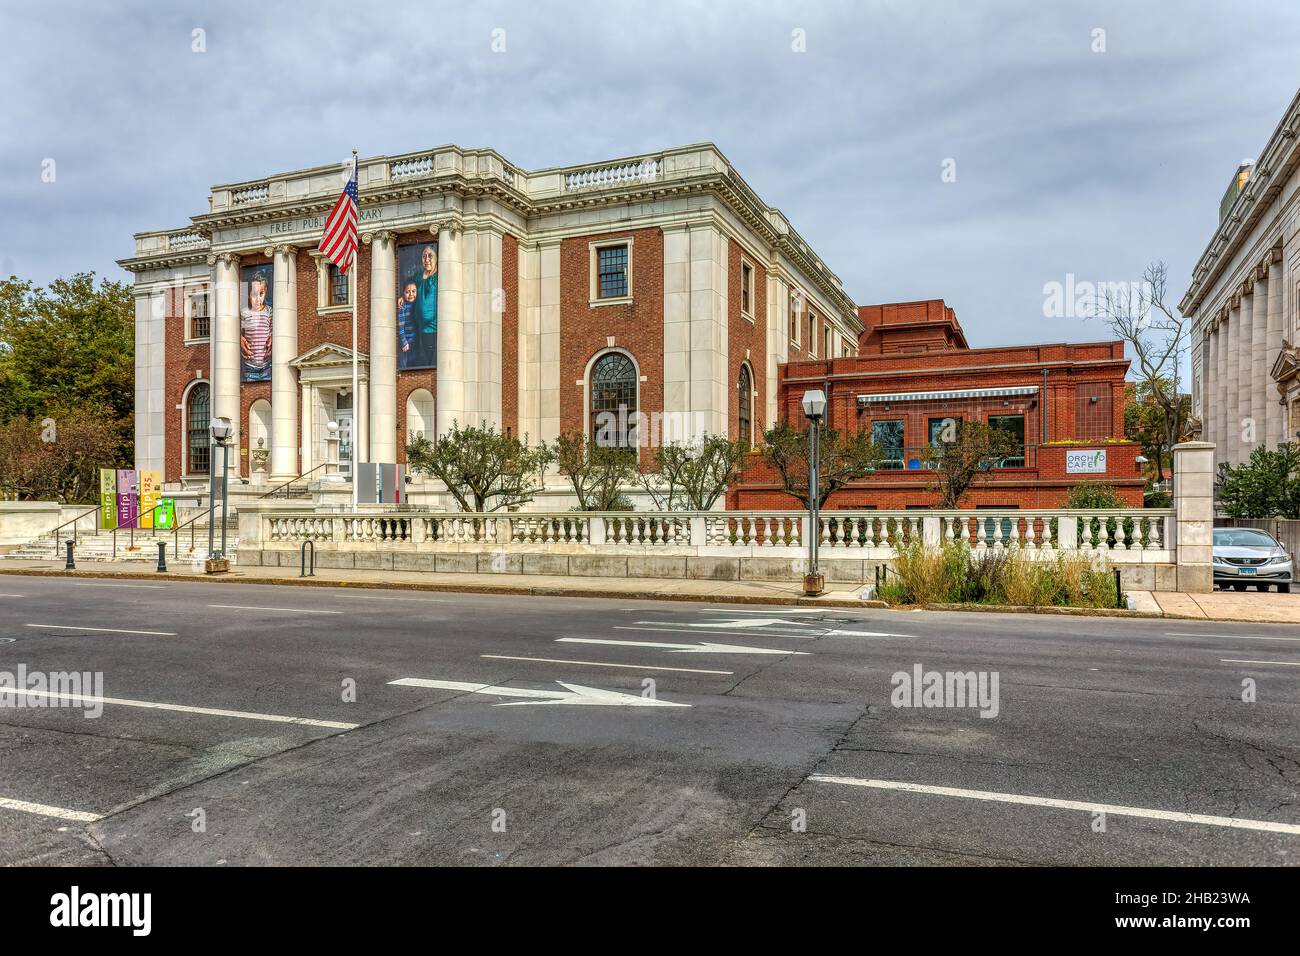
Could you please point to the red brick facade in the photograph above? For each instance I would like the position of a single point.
(1082, 387)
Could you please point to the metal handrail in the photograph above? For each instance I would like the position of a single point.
(73, 522)
(286, 484)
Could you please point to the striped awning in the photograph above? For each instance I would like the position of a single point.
(951, 393)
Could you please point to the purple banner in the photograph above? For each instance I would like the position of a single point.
(128, 497)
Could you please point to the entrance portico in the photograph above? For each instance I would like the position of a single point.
(325, 380)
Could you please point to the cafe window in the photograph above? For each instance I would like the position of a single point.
(1014, 426)
(888, 437)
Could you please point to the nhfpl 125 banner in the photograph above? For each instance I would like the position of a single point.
(150, 488)
(128, 497)
(107, 498)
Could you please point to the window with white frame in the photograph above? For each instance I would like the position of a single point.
(812, 332)
(746, 289)
(198, 315)
(611, 271)
(333, 286)
(796, 301)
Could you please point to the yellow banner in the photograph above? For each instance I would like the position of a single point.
(150, 488)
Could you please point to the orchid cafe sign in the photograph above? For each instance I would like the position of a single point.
(1090, 461)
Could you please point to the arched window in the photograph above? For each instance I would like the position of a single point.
(198, 419)
(746, 416)
(419, 414)
(613, 401)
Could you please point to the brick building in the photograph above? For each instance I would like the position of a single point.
(914, 372)
(658, 289)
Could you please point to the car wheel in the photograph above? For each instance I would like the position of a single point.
(1261, 587)
(1284, 589)
(1239, 587)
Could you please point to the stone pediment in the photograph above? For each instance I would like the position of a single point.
(1286, 365)
(327, 355)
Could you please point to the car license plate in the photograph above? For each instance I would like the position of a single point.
(1245, 570)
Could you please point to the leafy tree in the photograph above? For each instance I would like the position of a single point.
(58, 458)
(1157, 337)
(841, 457)
(693, 476)
(72, 343)
(1144, 422)
(965, 457)
(1266, 485)
(479, 465)
(598, 474)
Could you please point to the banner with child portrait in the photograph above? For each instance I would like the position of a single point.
(255, 323)
(417, 306)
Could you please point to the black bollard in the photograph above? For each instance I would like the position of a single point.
(162, 556)
(71, 565)
(1119, 593)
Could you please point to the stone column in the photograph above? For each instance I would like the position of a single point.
(1258, 355)
(284, 378)
(778, 342)
(696, 379)
(306, 432)
(1221, 390)
(1209, 384)
(1247, 434)
(1275, 424)
(150, 368)
(528, 371)
(383, 347)
(225, 348)
(548, 340)
(1194, 514)
(450, 399)
(1231, 398)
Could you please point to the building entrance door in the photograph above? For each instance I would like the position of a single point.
(343, 416)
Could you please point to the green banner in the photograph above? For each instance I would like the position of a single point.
(107, 498)
(164, 517)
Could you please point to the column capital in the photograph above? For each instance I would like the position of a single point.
(225, 258)
(452, 224)
(382, 235)
(283, 249)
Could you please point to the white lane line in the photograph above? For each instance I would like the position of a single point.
(1237, 660)
(11, 595)
(771, 609)
(574, 694)
(1234, 637)
(740, 623)
(380, 597)
(294, 610)
(182, 708)
(1085, 806)
(682, 630)
(44, 810)
(154, 587)
(100, 630)
(635, 667)
(701, 648)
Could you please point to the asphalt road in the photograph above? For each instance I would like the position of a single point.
(1108, 735)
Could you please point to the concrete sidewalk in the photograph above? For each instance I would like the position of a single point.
(673, 589)
(1242, 607)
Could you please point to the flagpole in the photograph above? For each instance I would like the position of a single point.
(356, 395)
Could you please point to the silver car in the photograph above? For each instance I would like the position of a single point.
(1246, 556)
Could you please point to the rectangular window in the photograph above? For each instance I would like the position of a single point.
(944, 429)
(795, 302)
(812, 332)
(827, 351)
(200, 318)
(746, 288)
(611, 272)
(338, 286)
(1013, 425)
(888, 437)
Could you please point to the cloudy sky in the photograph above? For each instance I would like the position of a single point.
(843, 115)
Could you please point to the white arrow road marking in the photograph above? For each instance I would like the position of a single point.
(630, 667)
(863, 634)
(802, 635)
(1121, 811)
(743, 622)
(573, 694)
(44, 810)
(701, 648)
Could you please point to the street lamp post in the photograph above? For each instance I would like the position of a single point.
(814, 409)
(221, 431)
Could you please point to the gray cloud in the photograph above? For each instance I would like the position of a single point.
(1067, 160)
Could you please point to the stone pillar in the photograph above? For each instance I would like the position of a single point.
(1258, 356)
(225, 348)
(361, 425)
(1221, 391)
(150, 368)
(1232, 420)
(1246, 434)
(696, 378)
(548, 340)
(383, 347)
(1194, 514)
(528, 370)
(1209, 382)
(450, 400)
(778, 342)
(306, 432)
(1275, 423)
(284, 378)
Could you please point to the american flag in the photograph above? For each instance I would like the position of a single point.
(339, 243)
